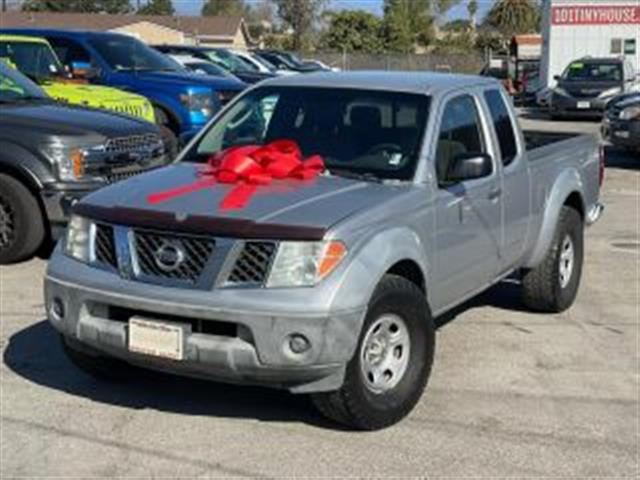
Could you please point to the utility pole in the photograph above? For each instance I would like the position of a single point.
(4, 5)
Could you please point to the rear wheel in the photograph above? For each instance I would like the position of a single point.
(553, 285)
(22, 228)
(389, 371)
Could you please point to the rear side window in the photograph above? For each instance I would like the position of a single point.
(69, 51)
(503, 126)
(460, 134)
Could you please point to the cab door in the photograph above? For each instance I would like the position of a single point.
(468, 215)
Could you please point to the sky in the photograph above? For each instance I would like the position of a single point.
(192, 7)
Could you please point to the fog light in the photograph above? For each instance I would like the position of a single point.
(57, 309)
(299, 343)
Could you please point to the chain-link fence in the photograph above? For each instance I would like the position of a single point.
(470, 63)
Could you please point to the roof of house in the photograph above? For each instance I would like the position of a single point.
(208, 26)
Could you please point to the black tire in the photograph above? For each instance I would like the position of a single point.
(543, 288)
(99, 367)
(355, 405)
(22, 227)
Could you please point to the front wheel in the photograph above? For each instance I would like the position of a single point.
(389, 371)
(553, 285)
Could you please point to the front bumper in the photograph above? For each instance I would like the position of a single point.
(96, 305)
(577, 107)
(622, 133)
(58, 201)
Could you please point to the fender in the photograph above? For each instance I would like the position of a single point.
(17, 159)
(373, 259)
(567, 183)
(164, 104)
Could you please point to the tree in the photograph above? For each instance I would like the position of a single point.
(472, 10)
(230, 8)
(157, 7)
(407, 23)
(512, 17)
(353, 31)
(79, 6)
(300, 16)
(457, 25)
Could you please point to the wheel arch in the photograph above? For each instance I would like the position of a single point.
(567, 191)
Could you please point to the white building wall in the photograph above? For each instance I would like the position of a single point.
(586, 31)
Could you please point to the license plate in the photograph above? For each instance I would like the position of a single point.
(622, 134)
(156, 338)
(584, 105)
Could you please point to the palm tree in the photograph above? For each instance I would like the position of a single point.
(512, 17)
(472, 9)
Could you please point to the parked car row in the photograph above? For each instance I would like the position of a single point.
(52, 154)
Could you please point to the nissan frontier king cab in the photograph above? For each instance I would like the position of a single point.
(314, 230)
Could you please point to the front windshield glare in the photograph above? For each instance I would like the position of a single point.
(129, 54)
(14, 86)
(357, 132)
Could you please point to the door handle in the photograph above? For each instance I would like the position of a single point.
(494, 194)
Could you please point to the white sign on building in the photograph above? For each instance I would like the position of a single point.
(597, 28)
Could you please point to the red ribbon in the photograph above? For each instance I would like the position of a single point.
(249, 167)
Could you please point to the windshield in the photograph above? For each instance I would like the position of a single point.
(129, 54)
(230, 61)
(262, 61)
(34, 59)
(16, 87)
(594, 72)
(371, 134)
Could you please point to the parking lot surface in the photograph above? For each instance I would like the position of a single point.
(512, 394)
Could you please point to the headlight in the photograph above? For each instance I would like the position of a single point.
(612, 92)
(304, 264)
(630, 113)
(70, 162)
(77, 243)
(201, 102)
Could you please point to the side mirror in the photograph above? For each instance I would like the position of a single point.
(556, 78)
(470, 166)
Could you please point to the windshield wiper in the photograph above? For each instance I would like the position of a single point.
(29, 98)
(364, 176)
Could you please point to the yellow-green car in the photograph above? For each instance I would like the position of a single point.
(35, 58)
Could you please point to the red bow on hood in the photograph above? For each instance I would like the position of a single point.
(249, 167)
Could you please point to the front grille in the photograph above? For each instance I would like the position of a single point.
(131, 110)
(105, 246)
(193, 253)
(252, 265)
(132, 143)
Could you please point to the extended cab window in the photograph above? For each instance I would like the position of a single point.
(502, 125)
(460, 134)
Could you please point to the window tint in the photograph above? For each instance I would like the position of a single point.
(460, 134)
(503, 126)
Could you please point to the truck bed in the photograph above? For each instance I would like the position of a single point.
(538, 138)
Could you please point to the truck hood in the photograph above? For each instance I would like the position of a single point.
(188, 80)
(316, 204)
(60, 120)
(95, 93)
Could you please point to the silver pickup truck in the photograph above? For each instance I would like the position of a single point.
(326, 282)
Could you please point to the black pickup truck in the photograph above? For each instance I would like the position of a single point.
(53, 154)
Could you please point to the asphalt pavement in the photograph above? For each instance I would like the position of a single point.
(513, 394)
